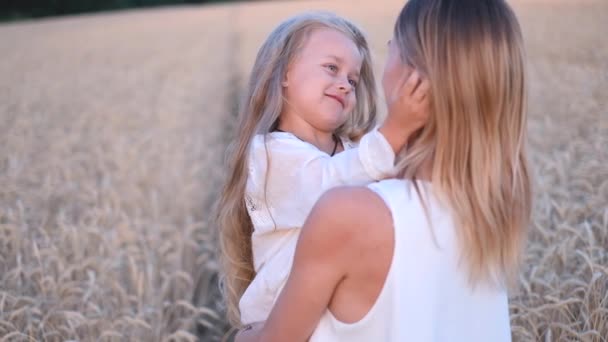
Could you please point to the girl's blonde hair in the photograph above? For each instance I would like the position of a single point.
(259, 115)
(473, 55)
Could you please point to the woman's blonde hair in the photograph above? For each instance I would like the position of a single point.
(473, 55)
(259, 114)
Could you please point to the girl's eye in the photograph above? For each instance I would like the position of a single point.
(353, 83)
(332, 67)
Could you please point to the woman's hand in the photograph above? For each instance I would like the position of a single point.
(408, 109)
(250, 333)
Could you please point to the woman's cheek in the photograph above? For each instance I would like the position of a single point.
(387, 82)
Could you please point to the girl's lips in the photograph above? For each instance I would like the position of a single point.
(337, 99)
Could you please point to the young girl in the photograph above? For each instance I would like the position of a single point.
(311, 94)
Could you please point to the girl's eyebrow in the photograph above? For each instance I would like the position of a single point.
(338, 59)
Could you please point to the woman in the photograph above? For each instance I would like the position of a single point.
(427, 256)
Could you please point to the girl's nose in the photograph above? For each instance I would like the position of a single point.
(344, 86)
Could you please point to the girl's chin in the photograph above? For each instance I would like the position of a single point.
(335, 114)
(333, 123)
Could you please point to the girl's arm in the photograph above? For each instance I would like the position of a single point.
(299, 173)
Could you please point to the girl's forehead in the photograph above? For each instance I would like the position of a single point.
(328, 42)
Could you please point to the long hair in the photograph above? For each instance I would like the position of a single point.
(259, 114)
(473, 55)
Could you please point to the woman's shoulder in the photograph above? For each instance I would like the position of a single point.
(350, 218)
(346, 203)
(364, 214)
(397, 191)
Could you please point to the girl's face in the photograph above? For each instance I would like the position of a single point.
(321, 80)
(394, 71)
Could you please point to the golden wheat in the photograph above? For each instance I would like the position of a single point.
(112, 136)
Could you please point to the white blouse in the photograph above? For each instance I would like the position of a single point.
(286, 178)
(426, 295)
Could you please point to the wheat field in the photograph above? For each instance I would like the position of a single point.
(113, 129)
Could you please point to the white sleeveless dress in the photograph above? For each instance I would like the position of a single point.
(426, 296)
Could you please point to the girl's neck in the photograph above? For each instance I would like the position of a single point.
(324, 141)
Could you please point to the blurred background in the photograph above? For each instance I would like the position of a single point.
(24, 9)
(113, 130)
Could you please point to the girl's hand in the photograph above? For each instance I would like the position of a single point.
(408, 110)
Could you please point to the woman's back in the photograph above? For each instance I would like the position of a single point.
(426, 295)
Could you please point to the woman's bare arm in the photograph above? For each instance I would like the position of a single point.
(330, 240)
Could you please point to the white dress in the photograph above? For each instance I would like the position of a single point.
(280, 195)
(426, 297)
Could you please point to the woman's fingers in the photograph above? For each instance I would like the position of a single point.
(397, 91)
(424, 103)
(411, 87)
(421, 90)
(412, 83)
